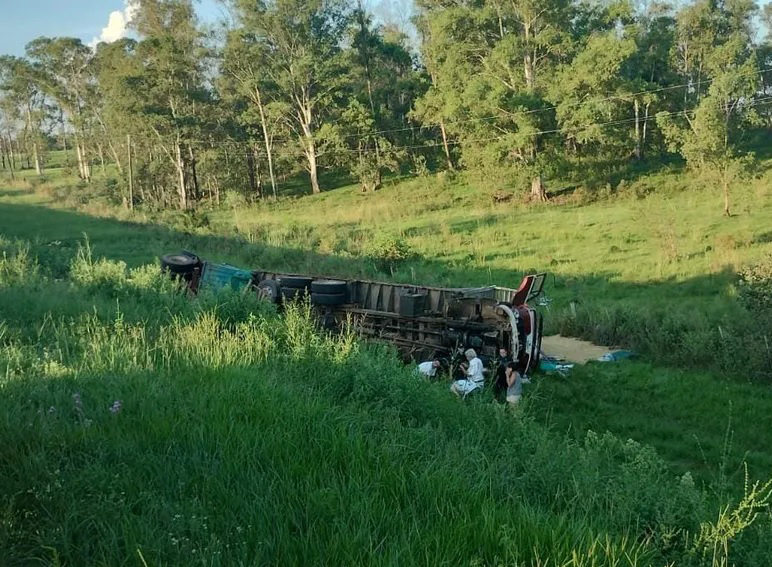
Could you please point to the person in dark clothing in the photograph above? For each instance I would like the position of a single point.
(500, 384)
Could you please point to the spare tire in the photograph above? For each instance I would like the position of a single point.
(179, 263)
(328, 299)
(269, 290)
(329, 287)
(295, 282)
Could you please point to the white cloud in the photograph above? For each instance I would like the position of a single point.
(117, 26)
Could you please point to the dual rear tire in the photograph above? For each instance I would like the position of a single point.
(328, 293)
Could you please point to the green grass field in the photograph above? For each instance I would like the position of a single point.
(246, 439)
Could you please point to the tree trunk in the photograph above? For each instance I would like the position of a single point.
(258, 175)
(102, 160)
(637, 106)
(35, 153)
(193, 171)
(445, 144)
(116, 157)
(83, 166)
(266, 141)
(81, 173)
(36, 158)
(305, 115)
(12, 155)
(727, 212)
(131, 172)
(538, 190)
(312, 169)
(645, 129)
(251, 157)
(180, 165)
(528, 70)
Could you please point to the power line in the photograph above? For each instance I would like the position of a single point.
(577, 103)
(577, 128)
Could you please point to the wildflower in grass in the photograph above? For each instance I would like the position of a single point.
(79, 411)
(116, 407)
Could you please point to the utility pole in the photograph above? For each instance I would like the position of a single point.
(131, 174)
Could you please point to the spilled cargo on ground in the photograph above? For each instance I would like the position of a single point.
(421, 321)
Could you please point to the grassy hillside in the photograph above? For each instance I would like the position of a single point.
(73, 325)
(651, 264)
(671, 310)
(141, 428)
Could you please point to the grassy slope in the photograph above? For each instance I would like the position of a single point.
(676, 411)
(671, 249)
(245, 439)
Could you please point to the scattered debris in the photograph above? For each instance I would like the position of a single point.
(617, 355)
(572, 350)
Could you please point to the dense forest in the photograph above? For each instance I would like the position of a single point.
(521, 90)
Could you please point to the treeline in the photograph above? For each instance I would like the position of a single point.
(521, 89)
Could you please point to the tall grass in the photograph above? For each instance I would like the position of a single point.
(225, 434)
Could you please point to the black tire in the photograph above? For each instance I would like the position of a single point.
(269, 290)
(295, 282)
(329, 287)
(179, 263)
(327, 299)
(293, 293)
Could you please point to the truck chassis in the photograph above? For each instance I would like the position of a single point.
(422, 322)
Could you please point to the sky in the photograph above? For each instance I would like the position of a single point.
(21, 21)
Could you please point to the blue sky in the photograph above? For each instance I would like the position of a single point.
(23, 20)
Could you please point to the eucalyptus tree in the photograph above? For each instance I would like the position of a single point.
(491, 64)
(709, 136)
(63, 71)
(301, 40)
(169, 88)
(24, 102)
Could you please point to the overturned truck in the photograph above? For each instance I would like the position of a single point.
(421, 321)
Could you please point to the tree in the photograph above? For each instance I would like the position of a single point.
(24, 101)
(170, 97)
(709, 136)
(63, 72)
(381, 91)
(245, 59)
(301, 39)
(487, 62)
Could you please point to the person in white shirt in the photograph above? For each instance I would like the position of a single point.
(429, 368)
(474, 375)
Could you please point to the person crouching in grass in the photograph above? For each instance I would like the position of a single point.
(429, 368)
(514, 384)
(474, 377)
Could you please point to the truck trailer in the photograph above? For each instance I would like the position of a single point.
(422, 322)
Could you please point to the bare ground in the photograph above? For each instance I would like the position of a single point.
(572, 350)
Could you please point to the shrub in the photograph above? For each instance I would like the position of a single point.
(93, 274)
(754, 286)
(17, 266)
(388, 253)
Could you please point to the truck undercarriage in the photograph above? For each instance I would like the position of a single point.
(422, 322)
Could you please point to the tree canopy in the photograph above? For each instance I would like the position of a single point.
(522, 91)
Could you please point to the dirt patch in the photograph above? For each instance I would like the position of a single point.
(572, 350)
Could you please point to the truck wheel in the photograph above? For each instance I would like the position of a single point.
(179, 263)
(295, 282)
(269, 290)
(329, 287)
(328, 299)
